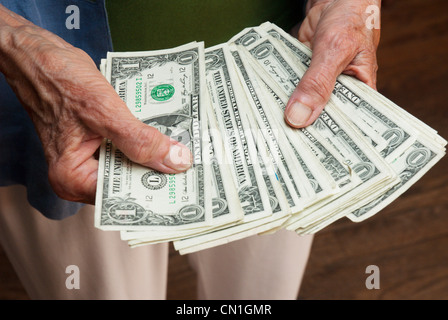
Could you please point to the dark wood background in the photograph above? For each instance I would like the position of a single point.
(408, 240)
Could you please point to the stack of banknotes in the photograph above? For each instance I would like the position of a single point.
(252, 173)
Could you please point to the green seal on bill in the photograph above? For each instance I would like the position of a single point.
(162, 92)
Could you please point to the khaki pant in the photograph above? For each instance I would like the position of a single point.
(40, 250)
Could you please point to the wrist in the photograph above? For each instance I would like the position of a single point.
(10, 18)
(9, 22)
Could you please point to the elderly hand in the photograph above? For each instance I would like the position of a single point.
(337, 33)
(73, 108)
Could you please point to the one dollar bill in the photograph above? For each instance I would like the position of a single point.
(164, 89)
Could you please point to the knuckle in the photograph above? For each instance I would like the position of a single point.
(374, 68)
(60, 182)
(25, 29)
(66, 183)
(51, 60)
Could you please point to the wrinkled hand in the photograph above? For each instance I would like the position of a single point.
(336, 31)
(73, 108)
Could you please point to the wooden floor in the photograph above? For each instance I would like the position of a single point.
(408, 240)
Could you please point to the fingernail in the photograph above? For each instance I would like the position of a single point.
(179, 157)
(298, 114)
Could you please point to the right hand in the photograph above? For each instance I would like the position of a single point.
(74, 108)
(336, 31)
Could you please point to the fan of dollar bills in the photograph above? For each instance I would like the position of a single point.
(252, 173)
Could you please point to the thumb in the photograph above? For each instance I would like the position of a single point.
(147, 146)
(315, 88)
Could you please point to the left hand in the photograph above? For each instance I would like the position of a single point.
(337, 33)
(73, 108)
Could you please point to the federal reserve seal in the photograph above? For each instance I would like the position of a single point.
(162, 92)
(154, 180)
